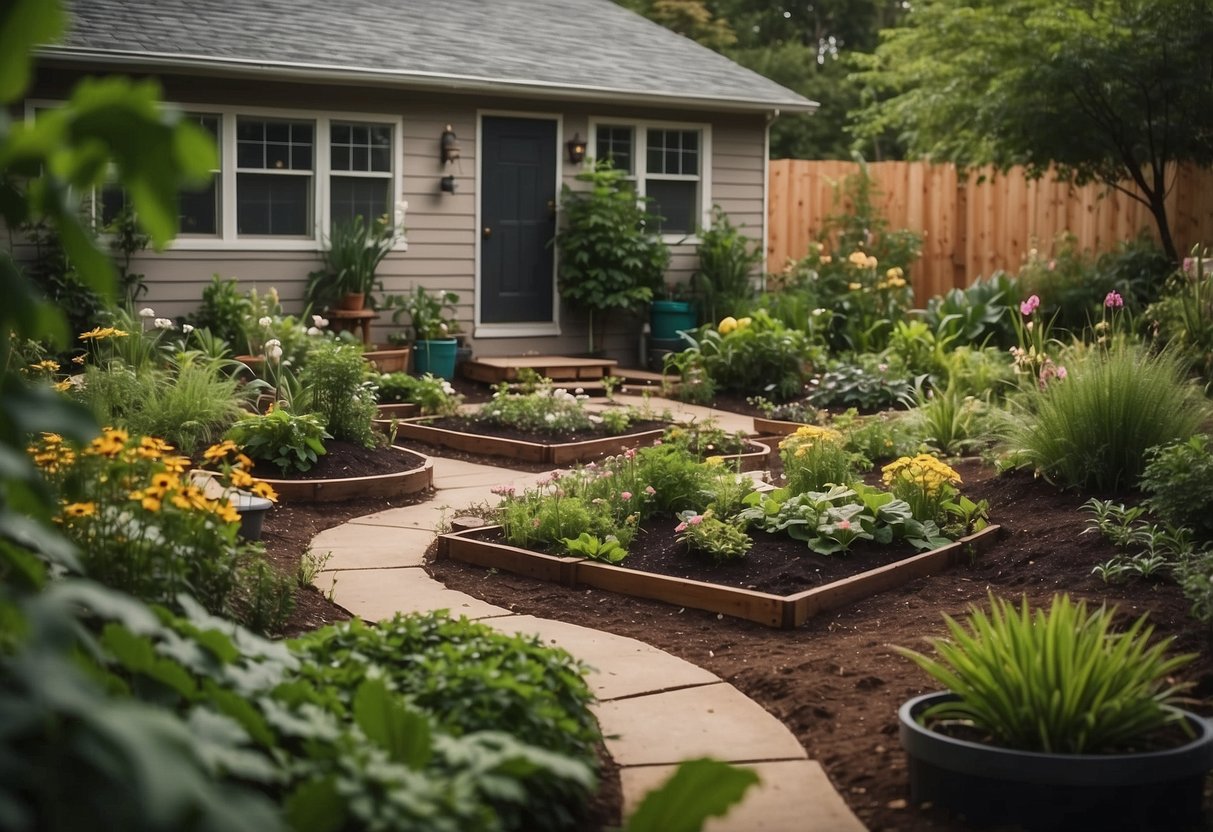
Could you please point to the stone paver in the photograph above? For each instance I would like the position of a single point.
(706, 721)
(375, 594)
(355, 546)
(791, 795)
(622, 666)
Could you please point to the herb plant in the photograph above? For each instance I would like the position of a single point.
(335, 388)
(432, 317)
(708, 534)
(1178, 477)
(606, 549)
(814, 458)
(288, 441)
(1061, 680)
(434, 396)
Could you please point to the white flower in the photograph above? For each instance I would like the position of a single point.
(187, 328)
(551, 417)
(448, 388)
(162, 323)
(319, 322)
(579, 390)
(147, 312)
(311, 330)
(265, 322)
(273, 343)
(274, 353)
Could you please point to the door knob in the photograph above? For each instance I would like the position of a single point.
(488, 232)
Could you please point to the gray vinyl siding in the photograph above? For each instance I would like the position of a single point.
(441, 227)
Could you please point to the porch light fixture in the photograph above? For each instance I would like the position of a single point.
(576, 148)
(448, 184)
(449, 146)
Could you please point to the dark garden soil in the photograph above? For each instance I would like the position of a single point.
(834, 682)
(345, 459)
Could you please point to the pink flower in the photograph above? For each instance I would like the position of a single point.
(1113, 300)
(650, 490)
(681, 527)
(696, 520)
(625, 495)
(656, 442)
(630, 453)
(1061, 372)
(535, 523)
(843, 524)
(1029, 306)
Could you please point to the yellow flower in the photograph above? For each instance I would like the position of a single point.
(715, 460)
(101, 333)
(78, 359)
(52, 439)
(826, 260)
(176, 464)
(46, 366)
(150, 503)
(244, 461)
(241, 478)
(742, 323)
(897, 282)
(854, 287)
(265, 491)
(63, 386)
(226, 512)
(220, 451)
(727, 325)
(80, 509)
(857, 258)
(894, 272)
(165, 481)
(871, 262)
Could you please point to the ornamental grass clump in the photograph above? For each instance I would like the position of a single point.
(1092, 429)
(1061, 680)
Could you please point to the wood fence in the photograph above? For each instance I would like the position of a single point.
(976, 225)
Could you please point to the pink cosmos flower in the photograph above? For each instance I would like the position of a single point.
(1113, 300)
(681, 527)
(626, 495)
(1029, 306)
(630, 453)
(650, 490)
(696, 520)
(1061, 372)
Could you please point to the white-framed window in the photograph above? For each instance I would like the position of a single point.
(285, 177)
(668, 162)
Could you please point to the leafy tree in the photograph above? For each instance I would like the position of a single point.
(1109, 91)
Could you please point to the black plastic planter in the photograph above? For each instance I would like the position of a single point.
(1154, 790)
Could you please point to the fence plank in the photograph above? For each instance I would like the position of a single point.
(975, 225)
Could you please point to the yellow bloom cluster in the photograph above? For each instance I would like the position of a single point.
(862, 261)
(99, 333)
(52, 455)
(731, 324)
(923, 470)
(806, 436)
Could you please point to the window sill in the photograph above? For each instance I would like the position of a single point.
(263, 244)
(520, 330)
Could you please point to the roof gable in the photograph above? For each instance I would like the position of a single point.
(591, 48)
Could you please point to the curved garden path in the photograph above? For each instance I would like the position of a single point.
(654, 708)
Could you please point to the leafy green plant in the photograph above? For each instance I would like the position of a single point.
(223, 311)
(925, 483)
(699, 789)
(1093, 429)
(335, 388)
(948, 421)
(1062, 680)
(705, 439)
(706, 533)
(286, 440)
(976, 316)
(1178, 477)
(607, 550)
(432, 317)
(727, 260)
(434, 396)
(869, 385)
(611, 258)
(748, 356)
(986, 373)
(548, 409)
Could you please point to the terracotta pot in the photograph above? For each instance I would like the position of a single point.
(352, 301)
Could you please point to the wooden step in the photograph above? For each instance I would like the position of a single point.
(558, 368)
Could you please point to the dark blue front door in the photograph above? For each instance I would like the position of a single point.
(518, 219)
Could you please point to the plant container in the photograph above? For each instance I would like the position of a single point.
(352, 301)
(990, 785)
(389, 361)
(668, 317)
(435, 357)
(252, 510)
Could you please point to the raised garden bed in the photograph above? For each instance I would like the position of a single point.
(424, 429)
(400, 410)
(775, 427)
(415, 474)
(483, 547)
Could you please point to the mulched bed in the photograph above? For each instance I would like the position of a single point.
(834, 682)
(345, 459)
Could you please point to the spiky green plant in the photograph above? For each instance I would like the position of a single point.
(1061, 680)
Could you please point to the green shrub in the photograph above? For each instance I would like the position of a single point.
(976, 316)
(750, 356)
(223, 312)
(1182, 318)
(434, 396)
(290, 442)
(678, 480)
(871, 383)
(1060, 680)
(727, 260)
(1178, 478)
(815, 458)
(1092, 429)
(335, 387)
(548, 409)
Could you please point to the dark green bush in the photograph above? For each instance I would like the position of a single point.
(1179, 481)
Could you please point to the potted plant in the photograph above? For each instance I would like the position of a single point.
(1055, 720)
(433, 325)
(672, 314)
(355, 250)
(611, 257)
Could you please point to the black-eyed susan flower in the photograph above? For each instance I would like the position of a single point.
(80, 509)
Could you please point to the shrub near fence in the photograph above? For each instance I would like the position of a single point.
(975, 226)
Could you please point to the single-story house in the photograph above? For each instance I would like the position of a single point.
(325, 109)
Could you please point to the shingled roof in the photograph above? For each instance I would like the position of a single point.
(573, 49)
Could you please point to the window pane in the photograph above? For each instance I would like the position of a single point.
(274, 144)
(352, 196)
(268, 204)
(676, 202)
(359, 158)
(341, 133)
(200, 209)
(340, 157)
(614, 143)
(112, 201)
(364, 147)
(381, 159)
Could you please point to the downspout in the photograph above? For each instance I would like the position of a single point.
(766, 193)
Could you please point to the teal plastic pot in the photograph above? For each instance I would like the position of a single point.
(667, 317)
(435, 357)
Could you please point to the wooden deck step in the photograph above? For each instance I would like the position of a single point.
(555, 367)
(640, 378)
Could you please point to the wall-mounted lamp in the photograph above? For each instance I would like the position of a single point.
(576, 147)
(448, 184)
(448, 146)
